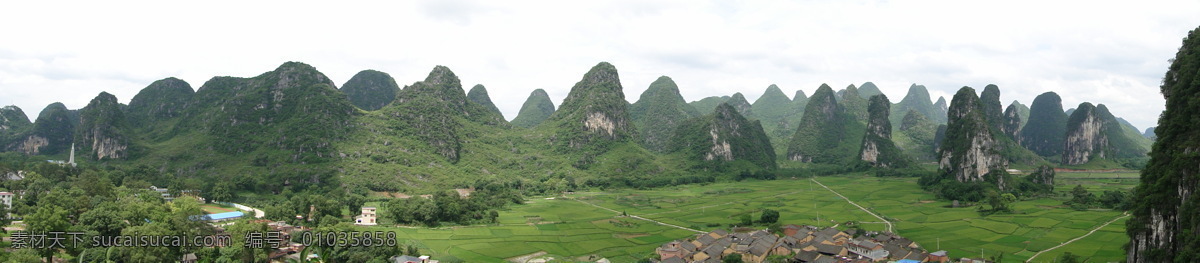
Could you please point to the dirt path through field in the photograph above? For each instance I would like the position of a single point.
(1078, 238)
(889, 223)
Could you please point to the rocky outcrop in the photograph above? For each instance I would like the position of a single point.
(479, 95)
(1165, 218)
(1043, 133)
(969, 150)
(52, 133)
(1085, 139)
(739, 102)
(657, 113)
(594, 115)
(1044, 175)
(1094, 133)
(103, 132)
(724, 136)
(537, 108)
(1012, 122)
(992, 110)
(371, 90)
(877, 149)
(942, 107)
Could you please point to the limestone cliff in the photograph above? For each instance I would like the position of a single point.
(1094, 133)
(877, 149)
(52, 133)
(722, 137)
(1012, 122)
(103, 130)
(594, 115)
(969, 151)
(1166, 208)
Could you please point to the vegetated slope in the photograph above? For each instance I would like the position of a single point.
(371, 90)
(431, 109)
(479, 95)
(537, 108)
(827, 133)
(658, 111)
(708, 104)
(1043, 133)
(1023, 112)
(917, 99)
(916, 137)
(1165, 205)
(779, 116)
(13, 124)
(868, 90)
(164, 99)
(724, 140)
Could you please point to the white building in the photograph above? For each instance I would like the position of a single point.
(367, 217)
(7, 198)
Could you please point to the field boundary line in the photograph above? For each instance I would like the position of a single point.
(638, 217)
(1124, 215)
(890, 228)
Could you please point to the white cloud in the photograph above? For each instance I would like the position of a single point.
(1108, 52)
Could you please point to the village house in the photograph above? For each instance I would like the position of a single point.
(7, 198)
(366, 217)
(802, 243)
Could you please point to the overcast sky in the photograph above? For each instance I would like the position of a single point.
(1114, 53)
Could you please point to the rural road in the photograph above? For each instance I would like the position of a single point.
(1078, 238)
(889, 223)
(641, 218)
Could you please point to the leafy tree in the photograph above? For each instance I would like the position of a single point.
(746, 220)
(49, 218)
(732, 258)
(1080, 198)
(769, 216)
(1068, 257)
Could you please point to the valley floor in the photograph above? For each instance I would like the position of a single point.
(562, 227)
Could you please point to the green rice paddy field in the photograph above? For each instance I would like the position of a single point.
(571, 227)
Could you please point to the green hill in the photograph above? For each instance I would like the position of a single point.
(1023, 112)
(479, 95)
(854, 104)
(658, 111)
(779, 117)
(433, 111)
(917, 99)
(537, 108)
(1043, 132)
(52, 132)
(868, 89)
(13, 123)
(827, 133)
(371, 90)
(916, 137)
(724, 140)
(708, 104)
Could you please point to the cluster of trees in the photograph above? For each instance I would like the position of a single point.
(448, 206)
(1081, 199)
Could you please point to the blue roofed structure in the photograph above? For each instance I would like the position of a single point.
(221, 216)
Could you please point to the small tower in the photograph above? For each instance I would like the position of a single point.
(71, 161)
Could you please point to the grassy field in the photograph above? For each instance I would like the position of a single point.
(213, 208)
(564, 227)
